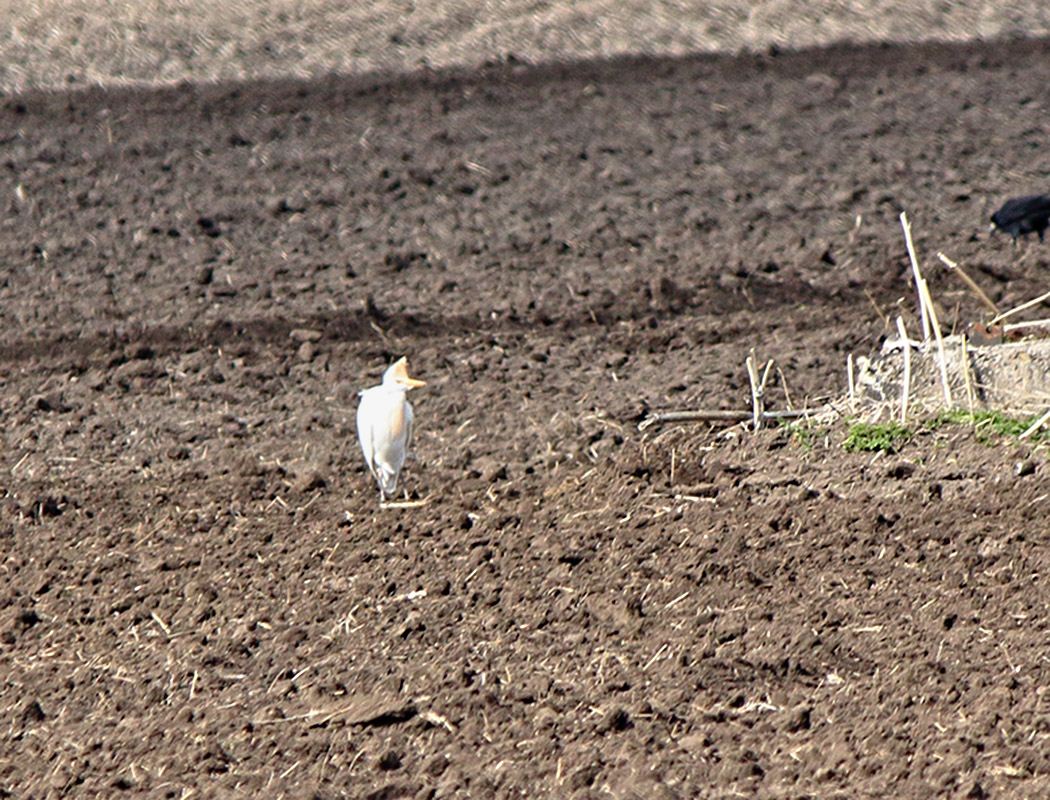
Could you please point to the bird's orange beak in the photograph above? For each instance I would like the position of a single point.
(401, 375)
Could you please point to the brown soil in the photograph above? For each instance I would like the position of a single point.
(200, 595)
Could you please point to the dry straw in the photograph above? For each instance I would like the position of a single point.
(955, 269)
(927, 312)
(1034, 302)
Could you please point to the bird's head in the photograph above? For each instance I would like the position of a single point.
(397, 375)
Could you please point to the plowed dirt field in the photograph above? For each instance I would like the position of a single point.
(199, 595)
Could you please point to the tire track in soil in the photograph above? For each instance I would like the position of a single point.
(349, 327)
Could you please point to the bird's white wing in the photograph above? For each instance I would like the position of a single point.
(410, 424)
(365, 426)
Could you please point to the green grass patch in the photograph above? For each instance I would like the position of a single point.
(868, 437)
(804, 433)
(988, 422)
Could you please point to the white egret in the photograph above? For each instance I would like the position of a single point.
(384, 426)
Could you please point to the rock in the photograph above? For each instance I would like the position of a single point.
(390, 760)
(308, 480)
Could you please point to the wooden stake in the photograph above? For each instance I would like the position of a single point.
(917, 274)
(907, 370)
(756, 393)
(765, 375)
(852, 385)
(940, 342)
(966, 374)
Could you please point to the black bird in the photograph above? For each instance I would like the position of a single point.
(1023, 215)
